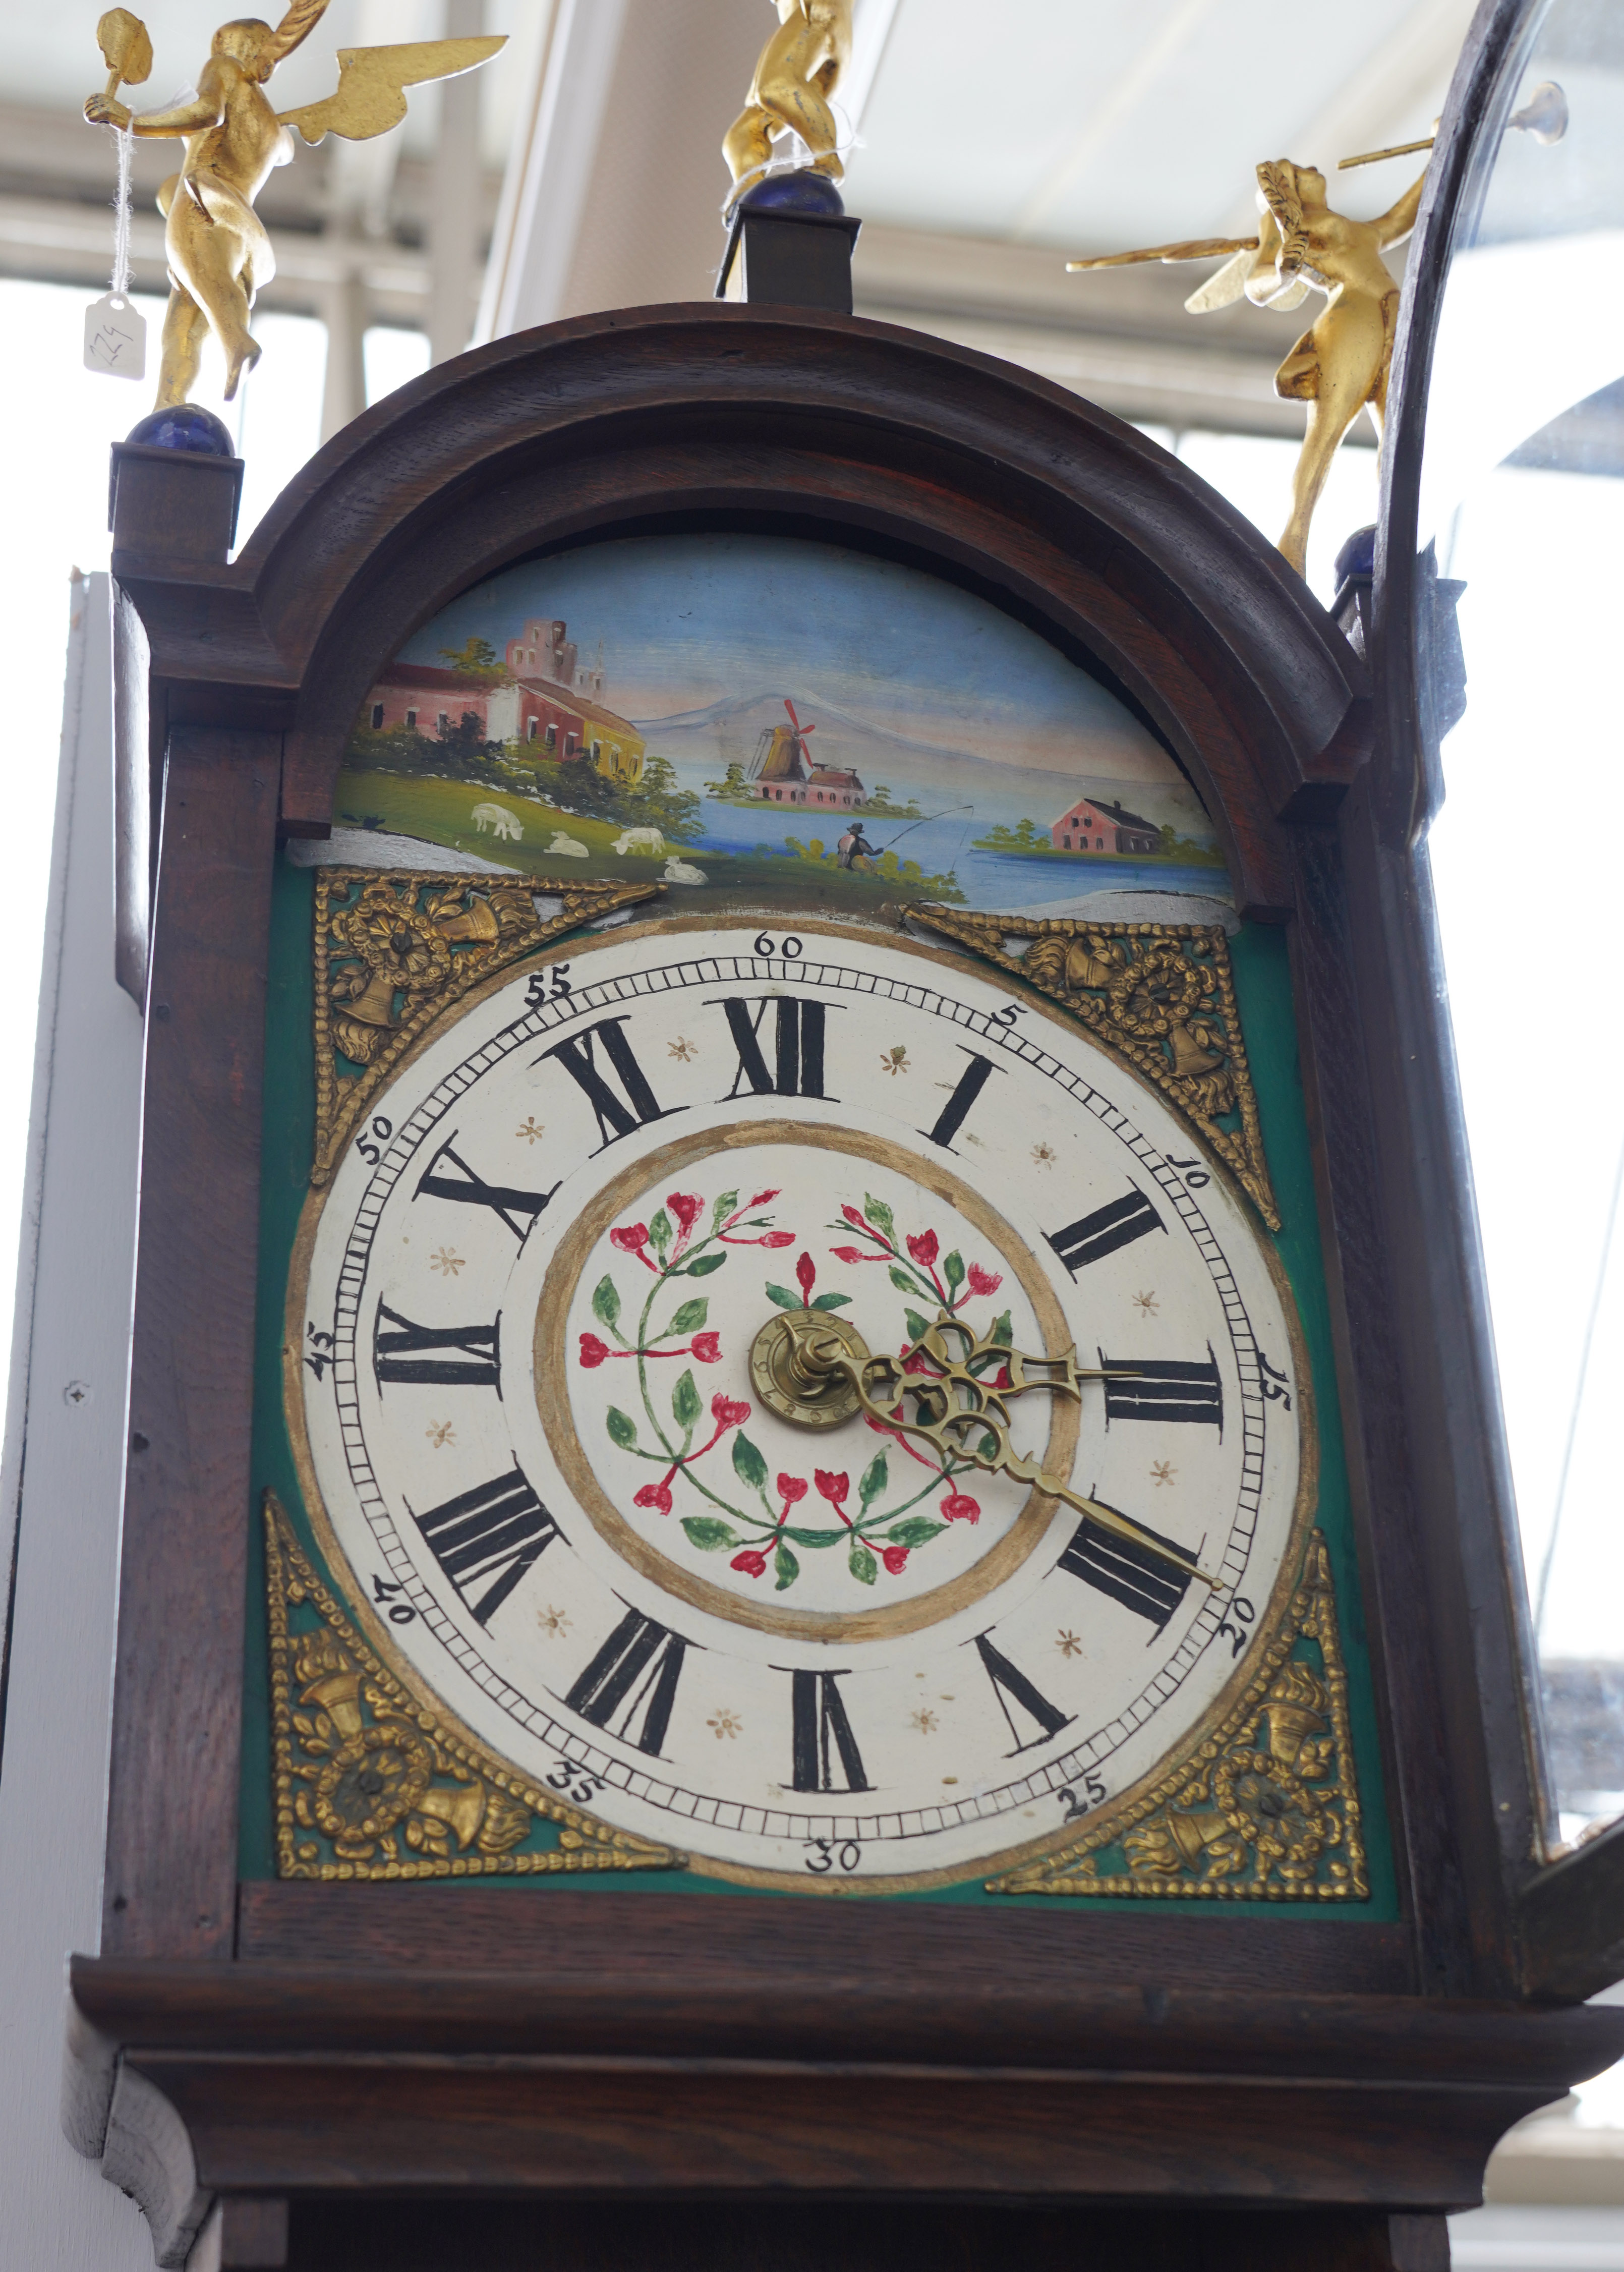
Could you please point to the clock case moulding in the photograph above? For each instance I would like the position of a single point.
(256, 2042)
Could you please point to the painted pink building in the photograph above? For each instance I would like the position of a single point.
(1092, 825)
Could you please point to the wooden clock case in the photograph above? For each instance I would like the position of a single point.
(452, 2075)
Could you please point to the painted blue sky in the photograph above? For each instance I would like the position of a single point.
(689, 621)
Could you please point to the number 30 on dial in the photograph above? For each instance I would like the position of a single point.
(795, 1399)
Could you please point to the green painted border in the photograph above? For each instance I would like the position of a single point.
(1263, 989)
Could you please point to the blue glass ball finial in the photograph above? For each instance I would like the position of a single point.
(802, 193)
(184, 427)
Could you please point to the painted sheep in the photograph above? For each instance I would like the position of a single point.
(496, 816)
(639, 840)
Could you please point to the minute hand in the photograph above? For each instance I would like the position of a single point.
(963, 1417)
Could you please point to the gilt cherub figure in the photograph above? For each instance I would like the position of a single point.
(217, 247)
(1340, 364)
(797, 72)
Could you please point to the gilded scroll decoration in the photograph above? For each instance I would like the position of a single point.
(1267, 1807)
(373, 1781)
(1161, 995)
(394, 947)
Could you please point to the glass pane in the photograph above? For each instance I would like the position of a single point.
(1523, 530)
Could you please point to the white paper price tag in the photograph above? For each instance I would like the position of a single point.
(115, 337)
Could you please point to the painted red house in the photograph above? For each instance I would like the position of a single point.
(523, 703)
(1096, 825)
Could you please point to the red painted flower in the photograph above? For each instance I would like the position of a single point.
(853, 1254)
(629, 1237)
(958, 1507)
(924, 1249)
(806, 1277)
(984, 1282)
(791, 1487)
(753, 1563)
(760, 1199)
(727, 1414)
(686, 1207)
(858, 1221)
(593, 1350)
(772, 1238)
(707, 1348)
(833, 1488)
(654, 1495)
(895, 1558)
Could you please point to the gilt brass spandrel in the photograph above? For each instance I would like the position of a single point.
(396, 947)
(1161, 996)
(373, 1780)
(1266, 1807)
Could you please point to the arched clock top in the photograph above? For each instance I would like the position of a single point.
(714, 415)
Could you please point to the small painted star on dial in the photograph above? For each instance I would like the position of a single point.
(724, 1723)
(1146, 1304)
(683, 1049)
(440, 1433)
(553, 1623)
(1043, 1155)
(531, 1129)
(923, 1721)
(447, 1261)
(1162, 1471)
(1069, 1644)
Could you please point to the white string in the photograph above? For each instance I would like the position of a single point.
(125, 142)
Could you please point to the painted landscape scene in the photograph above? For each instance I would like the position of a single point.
(746, 719)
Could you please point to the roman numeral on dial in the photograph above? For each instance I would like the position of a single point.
(1011, 1687)
(1093, 1236)
(954, 1113)
(820, 1737)
(1126, 1571)
(484, 1539)
(798, 1031)
(1155, 1388)
(616, 1115)
(446, 1357)
(518, 1209)
(634, 1675)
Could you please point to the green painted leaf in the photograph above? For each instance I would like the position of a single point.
(621, 1429)
(880, 1215)
(902, 1281)
(686, 1402)
(915, 1531)
(748, 1463)
(989, 1448)
(786, 1569)
(917, 1327)
(863, 1566)
(814, 1537)
(873, 1480)
(702, 1265)
(709, 1535)
(782, 1296)
(659, 1232)
(723, 1208)
(953, 1268)
(831, 1302)
(606, 1303)
(687, 1316)
(1003, 1332)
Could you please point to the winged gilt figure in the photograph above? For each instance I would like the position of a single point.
(1339, 366)
(219, 252)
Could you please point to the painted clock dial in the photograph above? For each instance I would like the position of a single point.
(581, 1221)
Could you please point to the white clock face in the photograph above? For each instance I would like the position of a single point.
(572, 1499)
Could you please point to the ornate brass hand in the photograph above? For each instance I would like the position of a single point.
(816, 1370)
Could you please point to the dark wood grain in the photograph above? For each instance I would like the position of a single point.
(1571, 1920)
(170, 1878)
(652, 1936)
